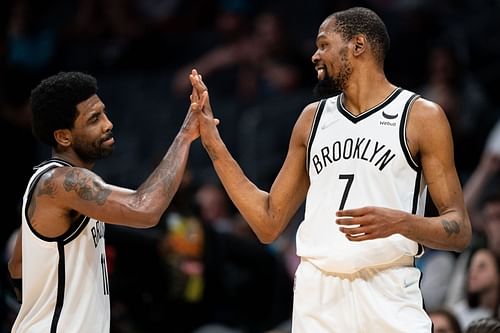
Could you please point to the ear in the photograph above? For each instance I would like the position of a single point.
(63, 137)
(359, 44)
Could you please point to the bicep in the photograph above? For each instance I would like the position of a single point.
(85, 192)
(435, 149)
(290, 187)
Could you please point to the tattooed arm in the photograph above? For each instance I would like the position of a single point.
(64, 192)
(430, 141)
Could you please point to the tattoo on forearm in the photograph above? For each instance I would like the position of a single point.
(451, 227)
(166, 178)
(85, 187)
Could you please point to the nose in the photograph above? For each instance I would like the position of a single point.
(108, 125)
(315, 57)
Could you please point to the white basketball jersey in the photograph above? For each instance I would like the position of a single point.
(64, 279)
(357, 161)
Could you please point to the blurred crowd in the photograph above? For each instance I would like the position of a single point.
(202, 269)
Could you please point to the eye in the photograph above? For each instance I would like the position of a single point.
(94, 118)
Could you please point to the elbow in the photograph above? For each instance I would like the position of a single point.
(267, 237)
(464, 241)
(146, 219)
(150, 221)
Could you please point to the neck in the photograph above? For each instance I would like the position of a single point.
(489, 299)
(366, 88)
(72, 158)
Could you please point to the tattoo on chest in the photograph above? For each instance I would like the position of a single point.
(85, 187)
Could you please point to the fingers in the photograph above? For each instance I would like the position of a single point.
(203, 100)
(353, 212)
(197, 82)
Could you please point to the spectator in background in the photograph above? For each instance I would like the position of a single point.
(482, 198)
(265, 62)
(484, 325)
(444, 321)
(32, 35)
(437, 267)
(215, 207)
(482, 289)
(464, 101)
(483, 178)
(219, 280)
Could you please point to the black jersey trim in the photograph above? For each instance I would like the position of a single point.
(52, 160)
(312, 134)
(75, 228)
(343, 110)
(402, 133)
(416, 191)
(30, 196)
(61, 285)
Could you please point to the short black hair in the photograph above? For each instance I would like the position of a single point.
(54, 101)
(360, 20)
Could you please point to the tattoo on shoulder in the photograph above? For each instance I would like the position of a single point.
(47, 187)
(451, 227)
(86, 188)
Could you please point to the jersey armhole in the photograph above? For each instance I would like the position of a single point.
(402, 133)
(314, 128)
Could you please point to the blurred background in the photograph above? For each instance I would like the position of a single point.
(202, 269)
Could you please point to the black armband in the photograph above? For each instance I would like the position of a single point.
(17, 285)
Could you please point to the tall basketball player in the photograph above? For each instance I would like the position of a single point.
(362, 160)
(66, 206)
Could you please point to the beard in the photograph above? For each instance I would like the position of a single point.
(90, 152)
(334, 85)
(326, 88)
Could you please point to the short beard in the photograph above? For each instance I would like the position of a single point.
(326, 88)
(91, 152)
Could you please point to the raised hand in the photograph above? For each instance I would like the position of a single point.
(191, 124)
(208, 124)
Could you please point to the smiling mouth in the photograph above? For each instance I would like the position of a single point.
(108, 139)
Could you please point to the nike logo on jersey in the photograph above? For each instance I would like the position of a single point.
(328, 124)
(389, 116)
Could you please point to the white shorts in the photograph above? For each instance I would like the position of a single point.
(373, 300)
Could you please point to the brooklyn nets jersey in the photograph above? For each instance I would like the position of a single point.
(65, 280)
(357, 161)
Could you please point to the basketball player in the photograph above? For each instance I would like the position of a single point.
(362, 160)
(65, 207)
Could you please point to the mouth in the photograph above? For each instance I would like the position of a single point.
(108, 139)
(320, 70)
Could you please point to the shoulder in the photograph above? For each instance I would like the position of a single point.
(309, 111)
(305, 120)
(56, 181)
(427, 119)
(424, 110)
